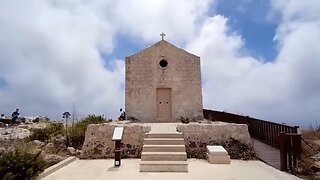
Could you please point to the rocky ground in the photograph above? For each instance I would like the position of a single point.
(309, 165)
(17, 136)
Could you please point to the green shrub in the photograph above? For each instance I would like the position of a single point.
(78, 131)
(46, 133)
(184, 120)
(19, 164)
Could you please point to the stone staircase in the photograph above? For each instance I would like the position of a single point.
(164, 152)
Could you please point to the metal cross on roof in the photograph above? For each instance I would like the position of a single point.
(162, 35)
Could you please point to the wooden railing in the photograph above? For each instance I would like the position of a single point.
(290, 151)
(289, 143)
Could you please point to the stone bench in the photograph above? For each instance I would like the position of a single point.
(217, 155)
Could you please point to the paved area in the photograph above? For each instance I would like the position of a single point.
(266, 153)
(169, 127)
(198, 169)
(162, 127)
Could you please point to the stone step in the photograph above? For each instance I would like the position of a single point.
(163, 141)
(163, 166)
(164, 148)
(164, 135)
(163, 156)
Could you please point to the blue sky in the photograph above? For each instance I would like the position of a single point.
(3, 82)
(251, 20)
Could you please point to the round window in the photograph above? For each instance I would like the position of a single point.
(163, 63)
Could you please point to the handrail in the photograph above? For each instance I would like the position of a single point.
(281, 136)
(262, 130)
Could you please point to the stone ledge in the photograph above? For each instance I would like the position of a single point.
(56, 167)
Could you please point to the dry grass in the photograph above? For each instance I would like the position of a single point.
(310, 134)
(310, 147)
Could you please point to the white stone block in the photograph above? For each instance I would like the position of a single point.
(216, 151)
(217, 155)
(218, 159)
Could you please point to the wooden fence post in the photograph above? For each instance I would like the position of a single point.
(296, 143)
(283, 151)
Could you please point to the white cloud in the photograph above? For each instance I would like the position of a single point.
(145, 19)
(50, 58)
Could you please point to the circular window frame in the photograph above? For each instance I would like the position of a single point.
(163, 63)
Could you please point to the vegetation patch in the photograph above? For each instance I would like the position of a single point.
(235, 149)
(21, 164)
(309, 167)
(45, 134)
(184, 120)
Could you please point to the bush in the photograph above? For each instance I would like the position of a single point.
(19, 164)
(78, 130)
(46, 133)
(184, 120)
(132, 119)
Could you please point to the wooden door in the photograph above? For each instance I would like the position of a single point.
(164, 104)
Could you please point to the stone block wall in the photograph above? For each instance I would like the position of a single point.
(98, 141)
(235, 138)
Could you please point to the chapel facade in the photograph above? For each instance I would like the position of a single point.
(163, 83)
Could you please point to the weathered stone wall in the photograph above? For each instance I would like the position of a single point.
(144, 75)
(235, 138)
(98, 141)
(217, 131)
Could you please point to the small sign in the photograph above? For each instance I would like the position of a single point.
(117, 133)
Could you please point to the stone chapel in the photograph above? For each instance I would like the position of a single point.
(163, 83)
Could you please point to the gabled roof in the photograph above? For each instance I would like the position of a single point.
(162, 43)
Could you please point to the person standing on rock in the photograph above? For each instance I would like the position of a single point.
(15, 116)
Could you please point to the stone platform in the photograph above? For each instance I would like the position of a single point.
(198, 169)
(98, 143)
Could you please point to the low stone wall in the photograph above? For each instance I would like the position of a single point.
(98, 141)
(234, 138)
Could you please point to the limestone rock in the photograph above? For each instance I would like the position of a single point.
(38, 143)
(49, 147)
(316, 157)
(78, 152)
(3, 150)
(52, 159)
(13, 133)
(33, 125)
(71, 151)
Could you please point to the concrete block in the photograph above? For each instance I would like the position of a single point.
(164, 141)
(216, 151)
(164, 148)
(164, 135)
(164, 156)
(218, 159)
